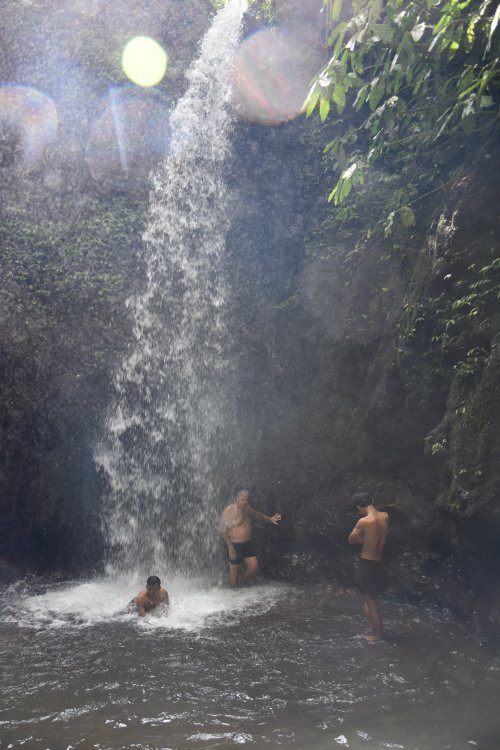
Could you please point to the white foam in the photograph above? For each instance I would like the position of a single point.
(194, 604)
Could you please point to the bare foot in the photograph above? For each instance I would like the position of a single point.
(373, 638)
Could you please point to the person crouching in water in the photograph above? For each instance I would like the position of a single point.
(150, 598)
(371, 532)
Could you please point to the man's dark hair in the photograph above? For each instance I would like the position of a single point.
(153, 581)
(362, 500)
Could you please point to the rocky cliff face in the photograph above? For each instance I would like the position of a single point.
(71, 219)
(368, 366)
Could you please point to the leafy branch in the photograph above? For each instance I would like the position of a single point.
(416, 73)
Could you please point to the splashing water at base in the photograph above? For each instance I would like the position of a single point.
(194, 604)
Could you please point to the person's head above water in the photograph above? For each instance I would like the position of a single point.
(153, 582)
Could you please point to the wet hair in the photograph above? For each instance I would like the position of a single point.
(242, 491)
(153, 581)
(362, 500)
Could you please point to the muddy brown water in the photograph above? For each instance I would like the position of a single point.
(269, 666)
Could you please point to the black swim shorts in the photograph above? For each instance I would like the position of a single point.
(243, 550)
(371, 576)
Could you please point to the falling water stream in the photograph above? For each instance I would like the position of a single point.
(273, 665)
(170, 432)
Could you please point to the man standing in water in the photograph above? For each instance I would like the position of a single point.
(371, 532)
(151, 597)
(236, 530)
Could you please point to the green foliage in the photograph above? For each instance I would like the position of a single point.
(466, 314)
(72, 270)
(439, 447)
(264, 9)
(413, 75)
(349, 177)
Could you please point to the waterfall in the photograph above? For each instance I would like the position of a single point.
(168, 434)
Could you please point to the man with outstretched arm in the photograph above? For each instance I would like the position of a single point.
(150, 598)
(236, 530)
(371, 532)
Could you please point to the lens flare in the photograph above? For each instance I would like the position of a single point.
(130, 137)
(86, 7)
(272, 75)
(28, 124)
(144, 61)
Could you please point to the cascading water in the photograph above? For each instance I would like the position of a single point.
(168, 435)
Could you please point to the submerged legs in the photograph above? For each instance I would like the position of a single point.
(251, 568)
(234, 572)
(235, 575)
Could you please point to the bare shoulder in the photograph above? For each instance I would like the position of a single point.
(141, 596)
(228, 511)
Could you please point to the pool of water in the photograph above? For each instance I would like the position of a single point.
(268, 666)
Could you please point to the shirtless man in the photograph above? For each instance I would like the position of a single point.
(236, 530)
(150, 598)
(371, 532)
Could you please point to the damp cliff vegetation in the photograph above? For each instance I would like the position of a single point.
(408, 84)
(411, 92)
(66, 273)
(407, 87)
(403, 129)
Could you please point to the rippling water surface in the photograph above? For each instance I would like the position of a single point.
(272, 665)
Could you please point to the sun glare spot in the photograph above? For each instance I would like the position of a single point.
(129, 137)
(272, 75)
(144, 61)
(28, 124)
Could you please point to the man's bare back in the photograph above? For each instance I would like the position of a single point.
(371, 531)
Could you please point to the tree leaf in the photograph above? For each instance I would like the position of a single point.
(486, 101)
(361, 97)
(382, 31)
(407, 216)
(376, 95)
(339, 97)
(336, 10)
(324, 108)
(348, 173)
(311, 101)
(493, 26)
(418, 31)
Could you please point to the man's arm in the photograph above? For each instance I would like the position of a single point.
(224, 530)
(164, 598)
(356, 535)
(140, 606)
(270, 519)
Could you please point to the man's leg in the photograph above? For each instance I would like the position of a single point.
(251, 568)
(234, 571)
(372, 612)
